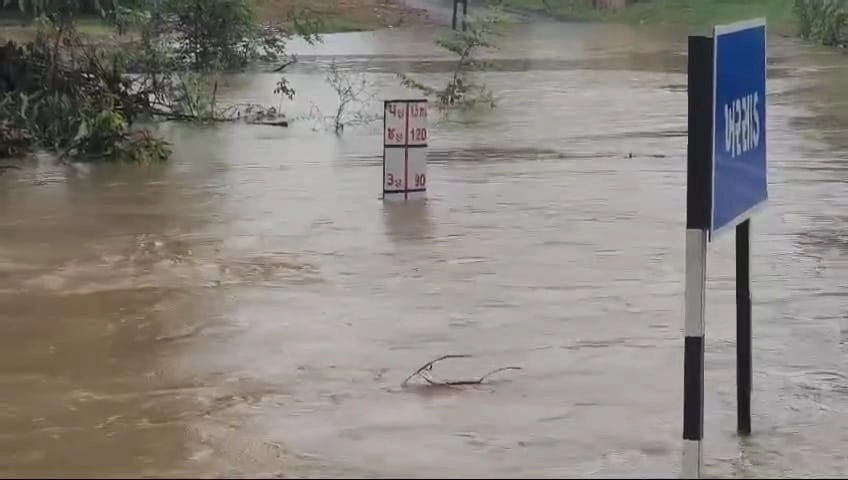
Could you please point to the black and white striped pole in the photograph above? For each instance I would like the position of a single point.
(698, 204)
(727, 181)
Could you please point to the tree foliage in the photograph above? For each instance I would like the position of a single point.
(47, 7)
(83, 101)
(217, 34)
(825, 21)
(75, 102)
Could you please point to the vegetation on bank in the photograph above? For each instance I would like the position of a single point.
(336, 16)
(87, 99)
(823, 21)
(677, 12)
(90, 101)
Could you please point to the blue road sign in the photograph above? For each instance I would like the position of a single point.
(740, 180)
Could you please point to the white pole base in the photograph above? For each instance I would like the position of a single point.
(692, 459)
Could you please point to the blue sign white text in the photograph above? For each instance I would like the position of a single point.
(740, 180)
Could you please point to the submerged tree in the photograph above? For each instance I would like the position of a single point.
(462, 89)
(355, 98)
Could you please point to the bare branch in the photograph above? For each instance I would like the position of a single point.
(356, 98)
(429, 365)
(451, 383)
(478, 381)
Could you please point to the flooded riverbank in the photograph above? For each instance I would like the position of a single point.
(252, 307)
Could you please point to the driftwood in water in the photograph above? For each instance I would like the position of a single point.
(421, 372)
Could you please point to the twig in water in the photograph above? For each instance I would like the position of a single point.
(451, 383)
(483, 378)
(429, 366)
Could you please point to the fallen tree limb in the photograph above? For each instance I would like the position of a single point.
(188, 117)
(250, 115)
(451, 383)
(283, 66)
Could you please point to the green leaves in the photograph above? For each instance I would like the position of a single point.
(79, 101)
(223, 34)
(77, 107)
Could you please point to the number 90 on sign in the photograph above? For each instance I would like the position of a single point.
(405, 170)
(396, 183)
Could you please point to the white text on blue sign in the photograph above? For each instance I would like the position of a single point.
(742, 125)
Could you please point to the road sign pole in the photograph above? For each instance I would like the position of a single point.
(455, 8)
(727, 180)
(740, 171)
(744, 369)
(693, 353)
(698, 204)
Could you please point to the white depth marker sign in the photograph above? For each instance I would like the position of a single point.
(405, 134)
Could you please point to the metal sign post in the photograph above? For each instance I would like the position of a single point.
(727, 181)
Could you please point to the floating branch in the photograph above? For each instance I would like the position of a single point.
(421, 372)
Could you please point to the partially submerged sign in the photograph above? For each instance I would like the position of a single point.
(727, 180)
(405, 135)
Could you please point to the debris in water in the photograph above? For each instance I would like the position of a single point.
(421, 372)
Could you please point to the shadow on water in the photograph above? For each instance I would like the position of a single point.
(408, 223)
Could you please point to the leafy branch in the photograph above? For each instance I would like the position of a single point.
(462, 90)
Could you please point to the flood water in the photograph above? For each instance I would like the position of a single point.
(252, 307)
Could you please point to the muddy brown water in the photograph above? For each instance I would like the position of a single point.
(252, 307)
